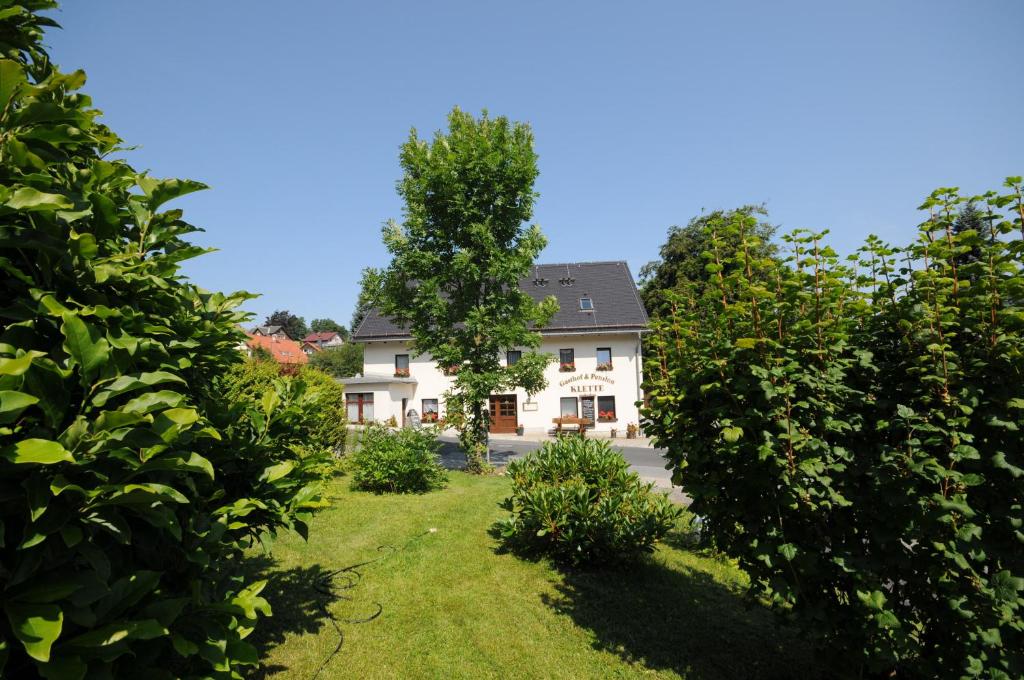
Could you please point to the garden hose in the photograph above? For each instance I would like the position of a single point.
(333, 583)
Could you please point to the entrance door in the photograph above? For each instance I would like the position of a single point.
(503, 413)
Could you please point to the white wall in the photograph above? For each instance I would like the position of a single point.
(622, 382)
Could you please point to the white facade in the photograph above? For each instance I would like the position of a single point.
(607, 397)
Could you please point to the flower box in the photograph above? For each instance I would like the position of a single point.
(401, 372)
(566, 368)
(606, 416)
(450, 370)
(607, 366)
(429, 417)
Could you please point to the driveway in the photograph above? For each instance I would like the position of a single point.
(645, 461)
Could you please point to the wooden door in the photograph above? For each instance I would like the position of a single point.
(503, 413)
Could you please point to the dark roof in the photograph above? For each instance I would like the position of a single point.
(321, 336)
(610, 285)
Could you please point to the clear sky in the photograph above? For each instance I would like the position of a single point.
(836, 114)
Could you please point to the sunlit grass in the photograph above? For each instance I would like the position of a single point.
(456, 607)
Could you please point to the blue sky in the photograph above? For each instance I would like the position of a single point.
(838, 115)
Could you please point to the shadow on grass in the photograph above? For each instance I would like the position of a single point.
(674, 618)
(298, 605)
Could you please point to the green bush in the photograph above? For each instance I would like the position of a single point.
(320, 425)
(577, 501)
(854, 434)
(402, 461)
(128, 493)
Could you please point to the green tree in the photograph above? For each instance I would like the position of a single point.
(852, 434)
(365, 301)
(340, 362)
(129, 489)
(682, 265)
(293, 326)
(457, 259)
(328, 325)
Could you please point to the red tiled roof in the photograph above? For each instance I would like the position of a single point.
(320, 337)
(284, 350)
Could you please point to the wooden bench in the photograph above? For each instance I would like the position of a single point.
(582, 423)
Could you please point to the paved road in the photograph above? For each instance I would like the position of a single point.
(646, 462)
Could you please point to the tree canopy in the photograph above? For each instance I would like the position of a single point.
(456, 261)
(293, 326)
(328, 325)
(682, 264)
(340, 362)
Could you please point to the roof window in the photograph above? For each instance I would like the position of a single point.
(586, 304)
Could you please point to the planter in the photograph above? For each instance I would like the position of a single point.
(615, 433)
(519, 430)
(567, 368)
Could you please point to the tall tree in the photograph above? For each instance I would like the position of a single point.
(969, 219)
(328, 325)
(681, 262)
(293, 326)
(457, 259)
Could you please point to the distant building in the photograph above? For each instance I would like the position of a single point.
(310, 349)
(594, 338)
(283, 349)
(269, 331)
(323, 340)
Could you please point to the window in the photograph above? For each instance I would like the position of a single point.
(586, 304)
(568, 407)
(431, 411)
(566, 360)
(359, 406)
(604, 358)
(606, 409)
(512, 357)
(401, 365)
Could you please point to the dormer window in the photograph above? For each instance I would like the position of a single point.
(586, 304)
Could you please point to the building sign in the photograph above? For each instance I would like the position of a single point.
(588, 377)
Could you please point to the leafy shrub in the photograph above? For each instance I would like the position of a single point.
(854, 434)
(320, 424)
(341, 362)
(576, 500)
(127, 494)
(402, 461)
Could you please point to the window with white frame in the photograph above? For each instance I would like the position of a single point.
(569, 407)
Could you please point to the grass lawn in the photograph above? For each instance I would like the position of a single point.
(453, 606)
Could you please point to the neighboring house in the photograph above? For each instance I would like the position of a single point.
(309, 348)
(325, 339)
(269, 331)
(281, 348)
(594, 338)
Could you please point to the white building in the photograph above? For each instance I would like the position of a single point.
(594, 337)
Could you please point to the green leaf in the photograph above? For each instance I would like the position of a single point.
(84, 344)
(16, 366)
(130, 383)
(41, 451)
(732, 434)
(27, 198)
(12, 76)
(746, 343)
(13, 403)
(159, 191)
(276, 472)
(36, 625)
(113, 633)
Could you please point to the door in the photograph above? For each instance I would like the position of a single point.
(503, 413)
